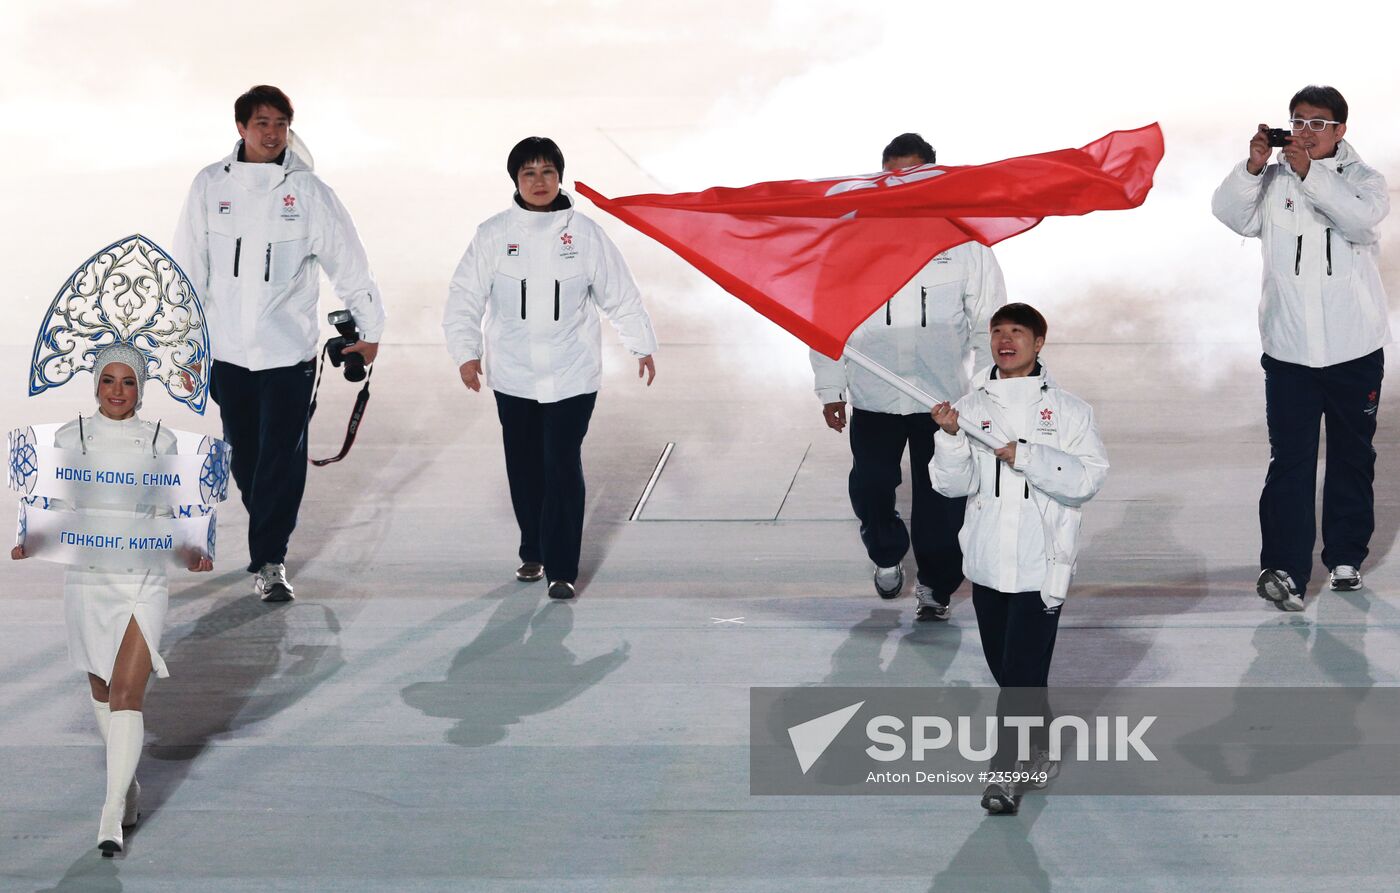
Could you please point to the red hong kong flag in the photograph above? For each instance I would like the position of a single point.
(818, 256)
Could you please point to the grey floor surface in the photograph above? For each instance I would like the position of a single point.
(418, 721)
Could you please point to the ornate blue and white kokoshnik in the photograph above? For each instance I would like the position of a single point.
(130, 293)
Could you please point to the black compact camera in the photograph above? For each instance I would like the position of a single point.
(354, 363)
(1278, 137)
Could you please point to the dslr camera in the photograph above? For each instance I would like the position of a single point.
(1278, 137)
(344, 323)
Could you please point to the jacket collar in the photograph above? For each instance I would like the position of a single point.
(1346, 157)
(262, 177)
(984, 383)
(561, 212)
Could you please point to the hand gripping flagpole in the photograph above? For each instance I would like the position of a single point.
(915, 392)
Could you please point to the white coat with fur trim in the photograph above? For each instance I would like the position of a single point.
(1021, 530)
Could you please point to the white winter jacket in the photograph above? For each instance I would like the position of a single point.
(525, 301)
(1021, 530)
(252, 239)
(1323, 301)
(934, 332)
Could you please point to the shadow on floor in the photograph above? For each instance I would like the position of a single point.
(90, 874)
(998, 855)
(518, 666)
(243, 663)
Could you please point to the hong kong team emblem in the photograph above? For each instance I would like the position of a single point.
(289, 201)
(567, 250)
(1047, 414)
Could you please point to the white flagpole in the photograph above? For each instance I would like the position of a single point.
(916, 392)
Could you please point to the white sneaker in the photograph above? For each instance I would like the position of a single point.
(272, 585)
(1279, 588)
(889, 581)
(1345, 578)
(929, 607)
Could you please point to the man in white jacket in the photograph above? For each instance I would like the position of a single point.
(256, 230)
(933, 332)
(1324, 323)
(1020, 538)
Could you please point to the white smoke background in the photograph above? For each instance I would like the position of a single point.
(107, 110)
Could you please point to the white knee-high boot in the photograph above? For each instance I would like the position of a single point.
(103, 712)
(125, 735)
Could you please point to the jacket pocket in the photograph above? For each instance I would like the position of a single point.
(223, 255)
(941, 305)
(1284, 251)
(509, 296)
(282, 260)
(569, 296)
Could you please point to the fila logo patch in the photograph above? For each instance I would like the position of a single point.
(986, 424)
(512, 250)
(225, 207)
(1288, 204)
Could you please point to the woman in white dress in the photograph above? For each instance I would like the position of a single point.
(115, 618)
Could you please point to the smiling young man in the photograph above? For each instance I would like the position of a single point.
(256, 230)
(1324, 323)
(1020, 536)
(932, 332)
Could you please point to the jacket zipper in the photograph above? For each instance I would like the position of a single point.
(1329, 251)
(237, 250)
(522, 298)
(887, 314)
(923, 307)
(1298, 258)
(556, 300)
(997, 491)
(267, 263)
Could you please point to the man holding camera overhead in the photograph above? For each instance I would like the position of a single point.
(255, 232)
(1324, 324)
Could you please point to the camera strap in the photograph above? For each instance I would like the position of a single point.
(356, 414)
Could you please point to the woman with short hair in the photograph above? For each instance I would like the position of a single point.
(522, 310)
